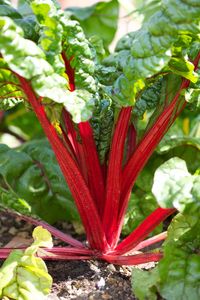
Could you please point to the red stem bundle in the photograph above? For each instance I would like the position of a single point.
(71, 172)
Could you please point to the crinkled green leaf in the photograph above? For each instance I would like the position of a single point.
(192, 94)
(147, 8)
(151, 48)
(41, 184)
(180, 277)
(149, 99)
(50, 33)
(10, 91)
(23, 56)
(81, 55)
(24, 276)
(99, 19)
(102, 124)
(28, 60)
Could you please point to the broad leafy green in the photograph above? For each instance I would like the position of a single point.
(24, 276)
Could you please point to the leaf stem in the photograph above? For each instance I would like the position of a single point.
(114, 174)
(94, 171)
(143, 230)
(136, 259)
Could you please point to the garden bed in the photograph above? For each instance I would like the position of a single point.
(72, 279)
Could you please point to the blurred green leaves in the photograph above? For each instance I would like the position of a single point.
(100, 19)
(28, 173)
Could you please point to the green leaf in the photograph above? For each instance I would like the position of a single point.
(9, 200)
(99, 19)
(20, 120)
(184, 68)
(192, 94)
(10, 91)
(151, 48)
(180, 277)
(177, 275)
(173, 184)
(7, 10)
(42, 238)
(23, 276)
(51, 32)
(41, 184)
(179, 270)
(102, 124)
(144, 283)
(29, 61)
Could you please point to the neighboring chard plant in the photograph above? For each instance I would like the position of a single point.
(90, 106)
(177, 276)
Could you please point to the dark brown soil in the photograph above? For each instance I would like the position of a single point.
(89, 280)
(79, 280)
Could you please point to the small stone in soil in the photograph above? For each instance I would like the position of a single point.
(101, 283)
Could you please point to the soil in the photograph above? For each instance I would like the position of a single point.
(78, 280)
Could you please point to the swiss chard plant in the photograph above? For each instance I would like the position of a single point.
(104, 115)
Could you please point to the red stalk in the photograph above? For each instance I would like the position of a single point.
(95, 176)
(153, 240)
(133, 259)
(76, 183)
(55, 250)
(78, 148)
(69, 145)
(131, 141)
(1, 115)
(70, 72)
(64, 257)
(143, 230)
(54, 231)
(72, 134)
(49, 254)
(114, 175)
